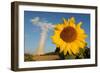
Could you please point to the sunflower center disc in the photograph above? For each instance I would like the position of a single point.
(68, 34)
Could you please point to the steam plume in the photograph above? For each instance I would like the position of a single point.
(44, 26)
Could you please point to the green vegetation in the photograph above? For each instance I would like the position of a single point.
(83, 54)
(28, 57)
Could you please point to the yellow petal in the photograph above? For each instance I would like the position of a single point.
(79, 24)
(79, 29)
(81, 39)
(63, 46)
(71, 22)
(82, 36)
(56, 32)
(55, 39)
(75, 48)
(67, 49)
(65, 22)
(80, 44)
(59, 27)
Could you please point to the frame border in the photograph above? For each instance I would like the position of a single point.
(15, 31)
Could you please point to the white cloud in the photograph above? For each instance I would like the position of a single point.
(42, 24)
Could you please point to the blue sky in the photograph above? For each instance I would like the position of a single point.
(32, 32)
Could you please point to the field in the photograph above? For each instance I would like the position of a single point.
(57, 56)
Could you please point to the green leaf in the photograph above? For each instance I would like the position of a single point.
(70, 57)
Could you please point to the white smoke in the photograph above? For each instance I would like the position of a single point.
(44, 26)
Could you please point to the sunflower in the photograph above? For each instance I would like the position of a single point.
(69, 37)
